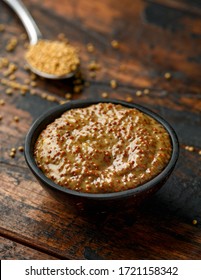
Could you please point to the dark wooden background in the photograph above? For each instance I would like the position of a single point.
(155, 37)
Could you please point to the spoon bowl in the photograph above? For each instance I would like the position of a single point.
(34, 35)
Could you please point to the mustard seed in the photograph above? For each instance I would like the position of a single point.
(77, 89)
(194, 222)
(13, 150)
(189, 148)
(20, 148)
(146, 91)
(4, 61)
(12, 154)
(53, 57)
(44, 95)
(1, 117)
(11, 44)
(9, 91)
(138, 93)
(51, 98)
(129, 99)
(68, 95)
(90, 48)
(199, 152)
(104, 94)
(16, 118)
(93, 66)
(63, 101)
(167, 76)
(115, 44)
(113, 84)
(2, 102)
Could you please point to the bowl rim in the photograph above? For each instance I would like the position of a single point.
(57, 111)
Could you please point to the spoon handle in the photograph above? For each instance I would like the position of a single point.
(27, 20)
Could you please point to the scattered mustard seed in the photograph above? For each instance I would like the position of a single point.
(63, 101)
(113, 84)
(138, 93)
(44, 95)
(194, 222)
(51, 98)
(53, 57)
(77, 88)
(13, 150)
(115, 44)
(199, 152)
(90, 48)
(20, 148)
(11, 44)
(1, 117)
(68, 95)
(189, 148)
(167, 76)
(129, 99)
(16, 118)
(4, 62)
(146, 91)
(2, 102)
(104, 94)
(93, 66)
(12, 154)
(9, 91)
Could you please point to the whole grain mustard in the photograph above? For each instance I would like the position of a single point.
(103, 148)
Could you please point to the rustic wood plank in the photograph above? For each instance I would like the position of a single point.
(11, 250)
(31, 214)
(155, 37)
(148, 47)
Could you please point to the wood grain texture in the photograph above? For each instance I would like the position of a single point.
(11, 250)
(155, 37)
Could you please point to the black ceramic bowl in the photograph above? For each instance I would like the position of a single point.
(97, 202)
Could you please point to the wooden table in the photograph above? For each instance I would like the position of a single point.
(155, 37)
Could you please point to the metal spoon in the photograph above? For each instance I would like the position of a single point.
(34, 34)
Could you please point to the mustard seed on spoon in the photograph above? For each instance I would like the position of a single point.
(48, 59)
(55, 58)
